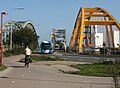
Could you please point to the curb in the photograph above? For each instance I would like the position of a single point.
(5, 71)
(65, 68)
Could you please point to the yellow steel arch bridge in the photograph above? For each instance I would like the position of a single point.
(90, 17)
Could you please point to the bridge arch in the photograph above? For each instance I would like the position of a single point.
(90, 18)
(16, 25)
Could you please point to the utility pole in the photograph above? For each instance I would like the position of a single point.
(1, 53)
(12, 26)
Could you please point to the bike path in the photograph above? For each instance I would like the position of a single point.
(45, 76)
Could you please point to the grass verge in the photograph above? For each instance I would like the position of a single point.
(100, 70)
(43, 58)
(3, 67)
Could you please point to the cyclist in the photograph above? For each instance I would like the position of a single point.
(27, 56)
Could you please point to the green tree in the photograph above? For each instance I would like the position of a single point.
(25, 37)
(60, 43)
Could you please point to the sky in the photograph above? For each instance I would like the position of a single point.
(53, 14)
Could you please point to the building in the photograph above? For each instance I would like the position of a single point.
(96, 38)
(58, 37)
(116, 38)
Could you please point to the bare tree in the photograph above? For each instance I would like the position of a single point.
(115, 73)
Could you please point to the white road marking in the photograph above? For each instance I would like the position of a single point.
(23, 75)
(13, 81)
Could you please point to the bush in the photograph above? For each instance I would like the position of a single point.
(3, 67)
(45, 58)
(13, 52)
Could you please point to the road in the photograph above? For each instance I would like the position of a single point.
(45, 76)
(81, 58)
(84, 58)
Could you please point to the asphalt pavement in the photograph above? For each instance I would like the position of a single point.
(45, 76)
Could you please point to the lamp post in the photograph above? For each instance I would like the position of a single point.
(12, 26)
(3, 13)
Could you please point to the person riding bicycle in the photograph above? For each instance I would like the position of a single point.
(27, 56)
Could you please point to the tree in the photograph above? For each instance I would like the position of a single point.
(114, 71)
(25, 37)
(60, 43)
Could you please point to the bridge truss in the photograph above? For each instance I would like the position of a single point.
(90, 18)
(10, 26)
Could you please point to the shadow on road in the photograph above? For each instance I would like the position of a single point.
(4, 77)
(18, 66)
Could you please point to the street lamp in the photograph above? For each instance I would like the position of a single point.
(3, 13)
(12, 27)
